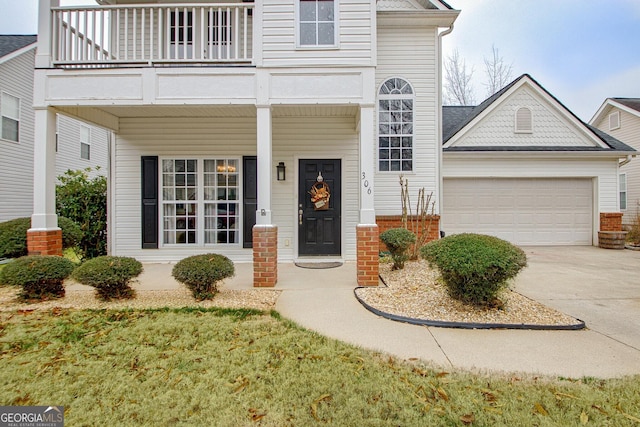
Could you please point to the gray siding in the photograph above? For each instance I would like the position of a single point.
(16, 159)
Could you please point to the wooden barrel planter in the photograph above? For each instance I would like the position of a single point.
(611, 239)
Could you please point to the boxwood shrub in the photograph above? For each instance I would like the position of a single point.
(13, 236)
(475, 267)
(201, 273)
(40, 277)
(110, 275)
(398, 240)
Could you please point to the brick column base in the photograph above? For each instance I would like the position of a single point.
(610, 221)
(265, 256)
(44, 242)
(368, 247)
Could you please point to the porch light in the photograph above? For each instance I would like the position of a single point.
(281, 171)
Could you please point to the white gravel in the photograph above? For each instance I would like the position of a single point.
(417, 292)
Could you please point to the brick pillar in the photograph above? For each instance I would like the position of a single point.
(44, 242)
(368, 247)
(265, 256)
(610, 221)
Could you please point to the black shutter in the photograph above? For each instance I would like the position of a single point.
(149, 202)
(249, 199)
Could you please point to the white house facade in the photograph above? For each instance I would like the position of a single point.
(620, 118)
(278, 130)
(78, 145)
(233, 120)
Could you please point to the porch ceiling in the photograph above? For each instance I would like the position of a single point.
(227, 111)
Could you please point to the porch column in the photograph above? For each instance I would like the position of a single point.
(44, 237)
(43, 52)
(367, 236)
(265, 234)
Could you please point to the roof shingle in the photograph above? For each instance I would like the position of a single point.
(11, 43)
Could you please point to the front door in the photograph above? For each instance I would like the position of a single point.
(319, 207)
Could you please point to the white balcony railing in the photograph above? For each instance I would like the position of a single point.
(110, 36)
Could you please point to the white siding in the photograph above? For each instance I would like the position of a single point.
(629, 133)
(293, 138)
(409, 53)
(16, 159)
(498, 128)
(279, 36)
(68, 155)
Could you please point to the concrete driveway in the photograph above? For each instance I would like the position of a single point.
(599, 286)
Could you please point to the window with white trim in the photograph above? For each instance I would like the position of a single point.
(395, 126)
(10, 110)
(85, 142)
(614, 120)
(200, 201)
(623, 191)
(317, 23)
(524, 120)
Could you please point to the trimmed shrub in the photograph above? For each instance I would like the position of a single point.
(84, 200)
(110, 275)
(13, 236)
(201, 273)
(475, 267)
(71, 233)
(398, 240)
(40, 277)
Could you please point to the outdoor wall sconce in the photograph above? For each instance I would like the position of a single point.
(281, 171)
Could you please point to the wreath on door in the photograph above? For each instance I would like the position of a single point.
(320, 195)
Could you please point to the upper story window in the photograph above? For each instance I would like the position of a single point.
(395, 126)
(524, 120)
(10, 110)
(614, 120)
(317, 20)
(85, 143)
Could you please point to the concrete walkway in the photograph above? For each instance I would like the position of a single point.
(598, 286)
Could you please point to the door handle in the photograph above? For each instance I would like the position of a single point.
(300, 213)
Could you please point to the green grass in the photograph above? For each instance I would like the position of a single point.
(244, 368)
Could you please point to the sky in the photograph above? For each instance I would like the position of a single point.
(582, 51)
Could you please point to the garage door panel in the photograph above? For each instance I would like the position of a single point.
(532, 211)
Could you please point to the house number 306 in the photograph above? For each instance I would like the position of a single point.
(365, 183)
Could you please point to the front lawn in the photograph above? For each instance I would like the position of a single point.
(240, 368)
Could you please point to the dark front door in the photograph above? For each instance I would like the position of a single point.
(319, 220)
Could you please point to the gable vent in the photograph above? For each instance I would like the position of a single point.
(614, 120)
(524, 120)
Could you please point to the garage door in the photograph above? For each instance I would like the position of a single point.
(522, 211)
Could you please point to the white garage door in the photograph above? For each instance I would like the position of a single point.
(522, 211)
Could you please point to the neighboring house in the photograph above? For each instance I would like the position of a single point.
(231, 122)
(17, 56)
(522, 167)
(620, 117)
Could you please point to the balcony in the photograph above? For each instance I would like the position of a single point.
(152, 35)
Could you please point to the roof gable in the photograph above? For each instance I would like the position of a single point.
(491, 125)
(630, 105)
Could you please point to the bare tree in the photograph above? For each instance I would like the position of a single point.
(458, 89)
(499, 73)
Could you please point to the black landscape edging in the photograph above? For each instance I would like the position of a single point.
(466, 325)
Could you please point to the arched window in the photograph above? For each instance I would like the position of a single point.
(524, 121)
(395, 126)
